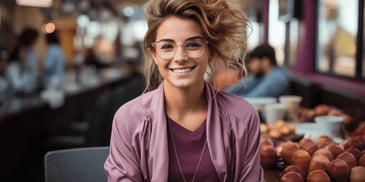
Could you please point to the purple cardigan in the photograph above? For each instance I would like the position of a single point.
(139, 146)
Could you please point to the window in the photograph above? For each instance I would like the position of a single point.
(293, 32)
(337, 36)
(276, 31)
(255, 28)
(254, 32)
(284, 30)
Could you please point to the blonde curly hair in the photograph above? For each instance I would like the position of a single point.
(223, 25)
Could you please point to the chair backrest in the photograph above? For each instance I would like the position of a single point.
(76, 165)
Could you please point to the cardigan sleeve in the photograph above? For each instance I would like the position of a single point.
(122, 164)
(248, 151)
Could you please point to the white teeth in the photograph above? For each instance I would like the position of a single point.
(185, 70)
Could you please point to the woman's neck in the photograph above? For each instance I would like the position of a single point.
(185, 105)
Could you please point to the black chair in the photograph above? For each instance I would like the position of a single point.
(76, 165)
(76, 135)
(95, 129)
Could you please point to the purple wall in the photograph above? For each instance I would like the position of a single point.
(306, 38)
(265, 20)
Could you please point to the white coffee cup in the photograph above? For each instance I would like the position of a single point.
(273, 112)
(330, 125)
(260, 102)
(292, 105)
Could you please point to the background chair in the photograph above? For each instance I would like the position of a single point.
(95, 129)
(100, 128)
(76, 165)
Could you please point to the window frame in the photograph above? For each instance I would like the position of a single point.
(359, 45)
(289, 58)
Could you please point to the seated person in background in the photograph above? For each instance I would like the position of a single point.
(21, 72)
(54, 62)
(92, 60)
(265, 79)
(3, 66)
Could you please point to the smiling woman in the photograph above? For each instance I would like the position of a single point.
(180, 66)
(225, 30)
(181, 128)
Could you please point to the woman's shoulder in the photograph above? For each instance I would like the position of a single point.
(136, 110)
(235, 105)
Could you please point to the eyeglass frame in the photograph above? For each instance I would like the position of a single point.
(153, 44)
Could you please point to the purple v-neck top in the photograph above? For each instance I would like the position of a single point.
(189, 147)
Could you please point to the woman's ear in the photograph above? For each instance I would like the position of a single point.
(152, 53)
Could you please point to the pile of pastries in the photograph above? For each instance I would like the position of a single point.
(277, 130)
(308, 115)
(321, 160)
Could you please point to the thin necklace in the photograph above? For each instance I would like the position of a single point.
(177, 156)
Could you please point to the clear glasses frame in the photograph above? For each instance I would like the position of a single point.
(166, 49)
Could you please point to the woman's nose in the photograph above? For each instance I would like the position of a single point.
(180, 54)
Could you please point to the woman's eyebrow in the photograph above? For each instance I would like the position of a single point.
(165, 40)
(171, 40)
(194, 37)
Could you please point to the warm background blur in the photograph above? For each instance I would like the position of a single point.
(319, 43)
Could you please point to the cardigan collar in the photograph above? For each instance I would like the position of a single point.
(158, 147)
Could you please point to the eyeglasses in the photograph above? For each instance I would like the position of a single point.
(166, 49)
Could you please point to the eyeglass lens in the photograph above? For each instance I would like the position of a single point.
(167, 49)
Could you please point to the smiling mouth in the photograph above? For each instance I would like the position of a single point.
(183, 70)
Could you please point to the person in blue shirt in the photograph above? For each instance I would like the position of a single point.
(265, 79)
(21, 72)
(54, 63)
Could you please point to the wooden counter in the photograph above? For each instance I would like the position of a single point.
(271, 175)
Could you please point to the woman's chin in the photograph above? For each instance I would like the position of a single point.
(182, 83)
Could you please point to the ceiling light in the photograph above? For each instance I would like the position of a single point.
(34, 3)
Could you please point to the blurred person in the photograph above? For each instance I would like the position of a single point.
(54, 62)
(3, 66)
(92, 60)
(21, 71)
(3, 61)
(181, 129)
(266, 78)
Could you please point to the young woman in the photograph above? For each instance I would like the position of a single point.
(182, 129)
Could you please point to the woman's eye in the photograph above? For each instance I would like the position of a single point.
(193, 45)
(167, 47)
